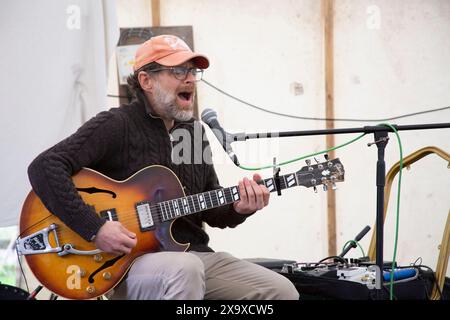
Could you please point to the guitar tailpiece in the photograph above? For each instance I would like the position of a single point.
(37, 243)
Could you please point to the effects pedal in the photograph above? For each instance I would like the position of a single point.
(358, 274)
(310, 269)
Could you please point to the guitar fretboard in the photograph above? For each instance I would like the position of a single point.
(310, 176)
(175, 208)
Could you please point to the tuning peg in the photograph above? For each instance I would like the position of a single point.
(308, 163)
(316, 160)
(315, 189)
(333, 186)
(325, 187)
(326, 156)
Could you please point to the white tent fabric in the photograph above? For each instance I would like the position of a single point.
(54, 63)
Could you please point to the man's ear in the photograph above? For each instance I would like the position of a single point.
(145, 81)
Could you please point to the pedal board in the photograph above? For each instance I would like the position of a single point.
(350, 281)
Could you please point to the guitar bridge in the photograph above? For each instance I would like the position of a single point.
(38, 242)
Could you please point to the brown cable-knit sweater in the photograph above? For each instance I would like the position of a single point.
(118, 143)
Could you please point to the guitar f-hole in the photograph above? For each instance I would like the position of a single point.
(107, 264)
(93, 190)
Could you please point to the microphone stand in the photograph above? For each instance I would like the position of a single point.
(381, 140)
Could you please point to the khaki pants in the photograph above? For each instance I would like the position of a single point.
(201, 275)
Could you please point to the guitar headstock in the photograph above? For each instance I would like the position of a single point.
(326, 173)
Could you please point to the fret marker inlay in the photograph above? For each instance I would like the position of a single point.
(290, 180)
(202, 201)
(186, 206)
(221, 197)
(175, 205)
(234, 190)
(269, 185)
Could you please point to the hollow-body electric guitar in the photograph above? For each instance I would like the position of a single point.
(147, 203)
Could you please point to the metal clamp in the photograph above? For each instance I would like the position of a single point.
(276, 176)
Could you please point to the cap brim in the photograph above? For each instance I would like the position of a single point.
(180, 57)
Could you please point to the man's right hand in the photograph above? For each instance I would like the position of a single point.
(113, 237)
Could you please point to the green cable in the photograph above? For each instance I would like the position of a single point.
(391, 283)
(354, 241)
(398, 193)
(303, 157)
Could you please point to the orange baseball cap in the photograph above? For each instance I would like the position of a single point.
(169, 51)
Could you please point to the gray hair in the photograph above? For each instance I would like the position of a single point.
(133, 81)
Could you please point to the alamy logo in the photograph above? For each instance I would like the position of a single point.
(176, 43)
(373, 21)
(74, 19)
(73, 280)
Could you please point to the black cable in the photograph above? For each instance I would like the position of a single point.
(335, 257)
(385, 287)
(21, 270)
(307, 118)
(433, 275)
(321, 119)
(434, 278)
(415, 262)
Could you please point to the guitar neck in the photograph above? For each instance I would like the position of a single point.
(184, 206)
(328, 172)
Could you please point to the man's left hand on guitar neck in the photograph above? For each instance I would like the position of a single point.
(253, 196)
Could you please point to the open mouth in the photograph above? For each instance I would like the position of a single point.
(185, 95)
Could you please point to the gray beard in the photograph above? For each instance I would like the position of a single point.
(165, 103)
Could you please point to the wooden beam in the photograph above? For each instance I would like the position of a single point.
(156, 13)
(328, 29)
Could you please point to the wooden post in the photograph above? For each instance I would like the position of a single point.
(156, 13)
(328, 25)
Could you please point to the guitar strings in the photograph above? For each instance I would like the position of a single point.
(196, 202)
(170, 211)
(162, 208)
(131, 216)
(127, 217)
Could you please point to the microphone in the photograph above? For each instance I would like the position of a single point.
(357, 238)
(362, 233)
(209, 116)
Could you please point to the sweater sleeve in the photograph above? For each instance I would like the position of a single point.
(50, 173)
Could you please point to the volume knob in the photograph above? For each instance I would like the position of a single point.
(90, 289)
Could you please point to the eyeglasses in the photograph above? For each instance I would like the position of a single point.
(181, 73)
